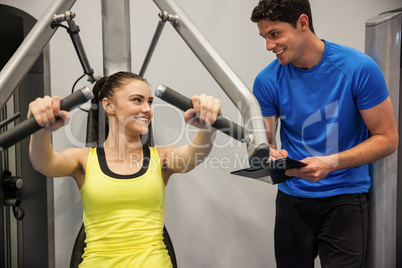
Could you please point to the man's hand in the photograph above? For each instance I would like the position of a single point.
(275, 154)
(317, 168)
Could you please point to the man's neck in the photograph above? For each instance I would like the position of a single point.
(312, 53)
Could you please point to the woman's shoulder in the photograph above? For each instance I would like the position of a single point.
(80, 157)
(78, 151)
(77, 154)
(163, 151)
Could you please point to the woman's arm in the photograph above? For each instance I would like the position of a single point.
(185, 158)
(53, 164)
(47, 114)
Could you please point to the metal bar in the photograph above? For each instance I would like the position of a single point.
(7, 229)
(79, 48)
(30, 126)
(10, 119)
(222, 123)
(116, 36)
(231, 84)
(8, 236)
(29, 51)
(383, 44)
(154, 42)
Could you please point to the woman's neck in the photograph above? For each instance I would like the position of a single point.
(121, 146)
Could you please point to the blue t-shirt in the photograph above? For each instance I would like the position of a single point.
(319, 113)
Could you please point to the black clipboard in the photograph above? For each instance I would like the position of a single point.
(272, 172)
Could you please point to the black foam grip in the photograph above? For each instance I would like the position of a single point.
(30, 126)
(183, 103)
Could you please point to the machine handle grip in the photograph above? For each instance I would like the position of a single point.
(183, 103)
(30, 126)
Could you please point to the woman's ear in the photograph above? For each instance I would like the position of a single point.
(108, 106)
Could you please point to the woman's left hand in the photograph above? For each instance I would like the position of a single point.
(205, 111)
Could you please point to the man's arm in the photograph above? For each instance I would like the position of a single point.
(271, 125)
(381, 123)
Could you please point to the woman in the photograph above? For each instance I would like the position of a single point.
(122, 182)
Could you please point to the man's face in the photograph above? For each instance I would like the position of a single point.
(282, 39)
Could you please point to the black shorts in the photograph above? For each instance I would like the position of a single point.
(335, 228)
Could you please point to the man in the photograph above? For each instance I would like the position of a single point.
(336, 116)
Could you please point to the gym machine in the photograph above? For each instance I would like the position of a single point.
(383, 44)
(25, 73)
(116, 59)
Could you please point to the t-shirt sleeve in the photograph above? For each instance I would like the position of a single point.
(263, 90)
(370, 87)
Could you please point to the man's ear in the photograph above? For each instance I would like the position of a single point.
(108, 106)
(303, 22)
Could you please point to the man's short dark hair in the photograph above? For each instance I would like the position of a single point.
(282, 10)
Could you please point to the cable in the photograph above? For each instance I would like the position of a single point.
(73, 88)
(18, 216)
(76, 81)
(54, 25)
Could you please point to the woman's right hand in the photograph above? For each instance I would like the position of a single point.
(47, 113)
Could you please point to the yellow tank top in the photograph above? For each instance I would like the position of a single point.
(124, 215)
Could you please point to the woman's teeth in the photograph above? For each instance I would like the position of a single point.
(142, 119)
